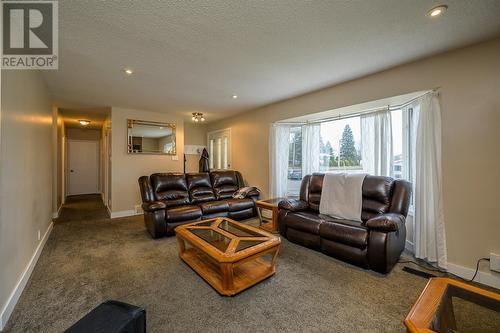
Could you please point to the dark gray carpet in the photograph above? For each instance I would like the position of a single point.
(92, 259)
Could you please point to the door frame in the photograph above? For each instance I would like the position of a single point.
(66, 167)
(229, 149)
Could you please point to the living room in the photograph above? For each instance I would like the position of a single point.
(194, 117)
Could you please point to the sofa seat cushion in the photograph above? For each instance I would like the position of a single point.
(239, 204)
(347, 232)
(212, 207)
(304, 221)
(183, 213)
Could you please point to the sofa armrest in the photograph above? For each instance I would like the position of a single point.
(386, 222)
(153, 206)
(293, 205)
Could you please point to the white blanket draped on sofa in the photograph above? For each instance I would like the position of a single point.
(342, 196)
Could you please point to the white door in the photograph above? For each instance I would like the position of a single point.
(83, 159)
(219, 149)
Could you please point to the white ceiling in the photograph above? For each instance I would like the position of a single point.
(194, 55)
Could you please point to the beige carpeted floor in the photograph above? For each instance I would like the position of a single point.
(89, 259)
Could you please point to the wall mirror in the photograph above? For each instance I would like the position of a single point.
(147, 137)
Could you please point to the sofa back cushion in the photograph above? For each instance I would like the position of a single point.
(224, 183)
(200, 187)
(315, 188)
(170, 188)
(377, 194)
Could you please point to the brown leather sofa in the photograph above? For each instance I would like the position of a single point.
(375, 243)
(173, 199)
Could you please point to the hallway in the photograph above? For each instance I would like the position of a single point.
(83, 207)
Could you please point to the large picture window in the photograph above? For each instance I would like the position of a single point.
(340, 148)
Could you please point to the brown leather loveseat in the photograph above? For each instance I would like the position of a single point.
(172, 199)
(375, 243)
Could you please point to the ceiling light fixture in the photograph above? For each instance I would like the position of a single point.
(437, 11)
(128, 71)
(197, 116)
(84, 122)
(235, 96)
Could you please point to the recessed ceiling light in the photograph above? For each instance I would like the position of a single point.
(128, 71)
(84, 122)
(235, 96)
(437, 11)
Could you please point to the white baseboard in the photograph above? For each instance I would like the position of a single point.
(18, 289)
(409, 246)
(487, 278)
(123, 213)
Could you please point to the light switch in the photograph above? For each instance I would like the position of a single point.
(175, 158)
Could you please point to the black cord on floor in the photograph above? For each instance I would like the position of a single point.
(477, 268)
(443, 271)
(421, 266)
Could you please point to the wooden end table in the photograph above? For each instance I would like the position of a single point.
(434, 310)
(269, 224)
(228, 254)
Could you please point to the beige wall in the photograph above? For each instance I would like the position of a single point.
(127, 168)
(194, 134)
(58, 136)
(83, 134)
(25, 173)
(469, 80)
(106, 161)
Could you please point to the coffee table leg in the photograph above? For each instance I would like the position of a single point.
(227, 276)
(182, 245)
(275, 255)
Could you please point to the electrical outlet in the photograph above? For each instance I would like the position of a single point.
(175, 158)
(138, 209)
(38, 234)
(495, 262)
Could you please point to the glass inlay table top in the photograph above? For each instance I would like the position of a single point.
(219, 233)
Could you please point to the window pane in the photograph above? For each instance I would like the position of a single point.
(225, 152)
(211, 153)
(340, 142)
(219, 153)
(295, 160)
(398, 170)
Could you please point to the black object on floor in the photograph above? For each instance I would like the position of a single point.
(419, 273)
(112, 317)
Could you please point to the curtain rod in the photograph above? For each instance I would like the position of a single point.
(357, 114)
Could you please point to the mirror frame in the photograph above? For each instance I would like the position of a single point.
(132, 122)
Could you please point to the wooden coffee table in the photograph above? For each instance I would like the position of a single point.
(229, 255)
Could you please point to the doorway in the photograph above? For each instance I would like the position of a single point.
(83, 167)
(219, 149)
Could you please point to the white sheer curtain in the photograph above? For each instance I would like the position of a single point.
(279, 143)
(376, 143)
(310, 148)
(430, 239)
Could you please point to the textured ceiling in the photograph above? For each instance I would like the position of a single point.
(194, 55)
